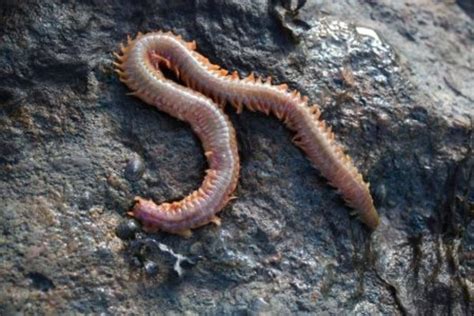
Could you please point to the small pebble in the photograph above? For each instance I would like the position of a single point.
(380, 194)
(151, 268)
(127, 229)
(134, 169)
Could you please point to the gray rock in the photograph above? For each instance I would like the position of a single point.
(399, 99)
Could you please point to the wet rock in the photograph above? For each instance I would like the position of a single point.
(146, 250)
(391, 77)
(467, 6)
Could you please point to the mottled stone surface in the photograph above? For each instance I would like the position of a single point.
(75, 150)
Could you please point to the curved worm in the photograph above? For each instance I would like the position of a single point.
(139, 69)
(312, 134)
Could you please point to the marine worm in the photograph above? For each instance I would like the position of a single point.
(138, 66)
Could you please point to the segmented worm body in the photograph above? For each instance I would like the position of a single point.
(138, 68)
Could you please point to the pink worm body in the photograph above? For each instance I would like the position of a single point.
(138, 68)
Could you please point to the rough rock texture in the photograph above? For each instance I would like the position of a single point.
(75, 150)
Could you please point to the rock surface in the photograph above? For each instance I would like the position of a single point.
(75, 150)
